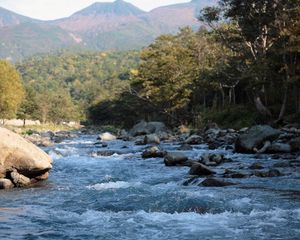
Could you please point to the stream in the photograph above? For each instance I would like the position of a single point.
(125, 197)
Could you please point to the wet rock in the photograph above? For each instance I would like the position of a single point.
(153, 152)
(212, 159)
(151, 139)
(104, 144)
(38, 140)
(144, 128)
(264, 148)
(107, 137)
(19, 180)
(279, 148)
(270, 173)
(175, 158)
(20, 154)
(254, 138)
(212, 182)
(42, 177)
(256, 166)
(200, 170)
(139, 141)
(233, 174)
(185, 147)
(295, 144)
(194, 140)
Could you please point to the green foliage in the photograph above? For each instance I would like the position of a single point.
(66, 85)
(11, 90)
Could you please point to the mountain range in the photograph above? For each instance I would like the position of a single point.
(102, 26)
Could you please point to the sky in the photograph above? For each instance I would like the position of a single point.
(54, 9)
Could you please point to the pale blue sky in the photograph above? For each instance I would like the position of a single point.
(53, 9)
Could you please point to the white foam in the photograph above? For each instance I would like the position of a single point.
(113, 185)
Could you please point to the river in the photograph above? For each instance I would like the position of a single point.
(126, 197)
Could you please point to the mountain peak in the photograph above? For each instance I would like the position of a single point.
(118, 7)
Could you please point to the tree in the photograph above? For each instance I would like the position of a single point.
(29, 106)
(11, 90)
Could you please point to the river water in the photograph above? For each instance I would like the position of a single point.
(125, 197)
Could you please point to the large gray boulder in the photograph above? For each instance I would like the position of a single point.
(253, 139)
(19, 154)
(144, 128)
(175, 159)
(151, 139)
(200, 170)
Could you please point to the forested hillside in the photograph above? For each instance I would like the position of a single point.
(83, 79)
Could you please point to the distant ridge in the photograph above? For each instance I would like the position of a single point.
(102, 26)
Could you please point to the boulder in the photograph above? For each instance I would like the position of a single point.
(107, 137)
(194, 140)
(279, 148)
(175, 158)
(6, 183)
(212, 182)
(270, 173)
(200, 170)
(151, 139)
(212, 159)
(295, 144)
(19, 180)
(144, 128)
(20, 154)
(254, 138)
(153, 152)
(185, 147)
(233, 174)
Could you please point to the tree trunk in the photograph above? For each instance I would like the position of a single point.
(283, 106)
(24, 122)
(261, 108)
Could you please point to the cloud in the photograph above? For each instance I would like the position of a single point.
(53, 9)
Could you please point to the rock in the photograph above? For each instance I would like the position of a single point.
(39, 140)
(151, 139)
(212, 182)
(270, 173)
(175, 158)
(107, 137)
(233, 174)
(265, 147)
(20, 154)
(6, 183)
(256, 166)
(254, 138)
(200, 170)
(139, 141)
(295, 144)
(2, 172)
(194, 140)
(144, 128)
(153, 152)
(279, 148)
(19, 180)
(104, 145)
(185, 147)
(43, 176)
(212, 159)
(106, 153)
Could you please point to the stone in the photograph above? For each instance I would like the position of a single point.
(151, 139)
(144, 128)
(153, 152)
(270, 173)
(233, 174)
(6, 183)
(185, 147)
(255, 137)
(20, 154)
(19, 180)
(295, 144)
(212, 182)
(256, 166)
(200, 169)
(194, 140)
(279, 148)
(175, 158)
(107, 137)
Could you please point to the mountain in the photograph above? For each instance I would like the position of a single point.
(115, 25)
(9, 18)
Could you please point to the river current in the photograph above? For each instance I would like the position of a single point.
(125, 197)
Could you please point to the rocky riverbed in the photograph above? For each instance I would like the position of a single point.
(150, 183)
